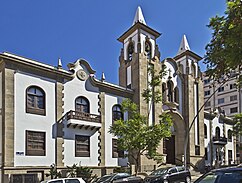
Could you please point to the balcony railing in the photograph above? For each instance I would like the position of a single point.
(83, 116)
(220, 140)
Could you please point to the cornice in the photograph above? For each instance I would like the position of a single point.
(25, 62)
(188, 53)
(138, 26)
(111, 88)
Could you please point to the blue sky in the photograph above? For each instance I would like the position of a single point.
(48, 29)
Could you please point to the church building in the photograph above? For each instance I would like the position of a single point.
(50, 115)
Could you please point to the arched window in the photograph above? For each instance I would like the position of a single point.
(82, 105)
(35, 100)
(217, 132)
(130, 51)
(193, 70)
(205, 131)
(176, 94)
(148, 49)
(117, 112)
(181, 68)
(170, 91)
(230, 135)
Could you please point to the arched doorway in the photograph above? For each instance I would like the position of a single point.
(173, 146)
(169, 148)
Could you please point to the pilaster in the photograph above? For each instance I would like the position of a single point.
(59, 113)
(8, 117)
(102, 130)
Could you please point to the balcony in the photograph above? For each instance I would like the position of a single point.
(220, 140)
(76, 119)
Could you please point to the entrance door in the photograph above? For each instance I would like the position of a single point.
(170, 150)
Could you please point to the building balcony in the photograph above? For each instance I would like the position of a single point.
(76, 119)
(220, 140)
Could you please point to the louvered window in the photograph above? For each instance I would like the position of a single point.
(82, 146)
(35, 143)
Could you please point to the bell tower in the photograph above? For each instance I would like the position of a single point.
(138, 53)
(193, 93)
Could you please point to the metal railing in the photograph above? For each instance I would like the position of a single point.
(83, 116)
(220, 140)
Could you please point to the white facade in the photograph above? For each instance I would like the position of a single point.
(27, 121)
(220, 148)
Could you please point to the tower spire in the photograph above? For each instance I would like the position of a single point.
(139, 16)
(184, 45)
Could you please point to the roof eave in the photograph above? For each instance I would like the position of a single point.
(37, 65)
(136, 26)
(111, 88)
(189, 53)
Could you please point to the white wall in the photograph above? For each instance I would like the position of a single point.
(134, 37)
(76, 88)
(25, 121)
(73, 89)
(188, 63)
(143, 39)
(176, 81)
(143, 36)
(110, 101)
(229, 145)
(69, 147)
(207, 141)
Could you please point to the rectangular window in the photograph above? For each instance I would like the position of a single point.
(233, 110)
(35, 143)
(221, 89)
(197, 150)
(82, 144)
(208, 104)
(233, 98)
(206, 93)
(115, 148)
(220, 100)
(233, 86)
(206, 154)
(206, 81)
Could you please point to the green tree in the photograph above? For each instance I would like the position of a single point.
(134, 134)
(224, 52)
(237, 130)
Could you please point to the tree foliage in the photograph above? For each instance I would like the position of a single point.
(53, 172)
(135, 136)
(224, 52)
(237, 130)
